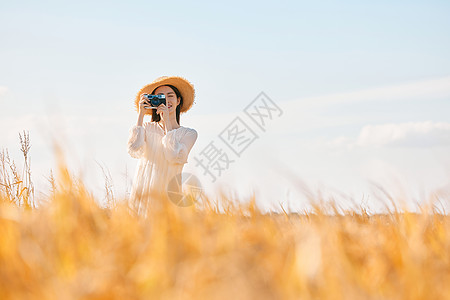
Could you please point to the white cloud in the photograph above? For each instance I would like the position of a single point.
(306, 114)
(410, 134)
(424, 89)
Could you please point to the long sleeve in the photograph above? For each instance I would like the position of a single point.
(136, 141)
(178, 146)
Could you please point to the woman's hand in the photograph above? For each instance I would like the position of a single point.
(164, 111)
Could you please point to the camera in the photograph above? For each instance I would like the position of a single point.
(155, 100)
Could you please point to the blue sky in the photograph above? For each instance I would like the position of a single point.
(343, 70)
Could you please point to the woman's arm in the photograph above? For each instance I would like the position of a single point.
(137, 137)
(136, 141)
(140, 119)
(178, 146)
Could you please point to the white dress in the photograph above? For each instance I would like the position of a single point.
(161, 157)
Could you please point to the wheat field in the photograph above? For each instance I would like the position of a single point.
(70, 247)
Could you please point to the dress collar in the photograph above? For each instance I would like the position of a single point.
(162, 130)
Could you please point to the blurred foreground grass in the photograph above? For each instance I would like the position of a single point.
(71, 248)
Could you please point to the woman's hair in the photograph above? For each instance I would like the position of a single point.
(156, 117)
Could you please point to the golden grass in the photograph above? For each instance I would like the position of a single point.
(71, 248)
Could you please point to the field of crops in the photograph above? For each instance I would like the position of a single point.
(71, 248)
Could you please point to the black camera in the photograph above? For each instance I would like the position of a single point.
(155, 100)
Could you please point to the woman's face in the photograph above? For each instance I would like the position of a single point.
(171, 98)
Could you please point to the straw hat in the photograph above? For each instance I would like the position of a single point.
(186, 89)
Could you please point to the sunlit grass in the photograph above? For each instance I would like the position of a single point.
(72, 248)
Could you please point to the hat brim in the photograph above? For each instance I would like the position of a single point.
(185, 88)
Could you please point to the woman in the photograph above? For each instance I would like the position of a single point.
(162, 145)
